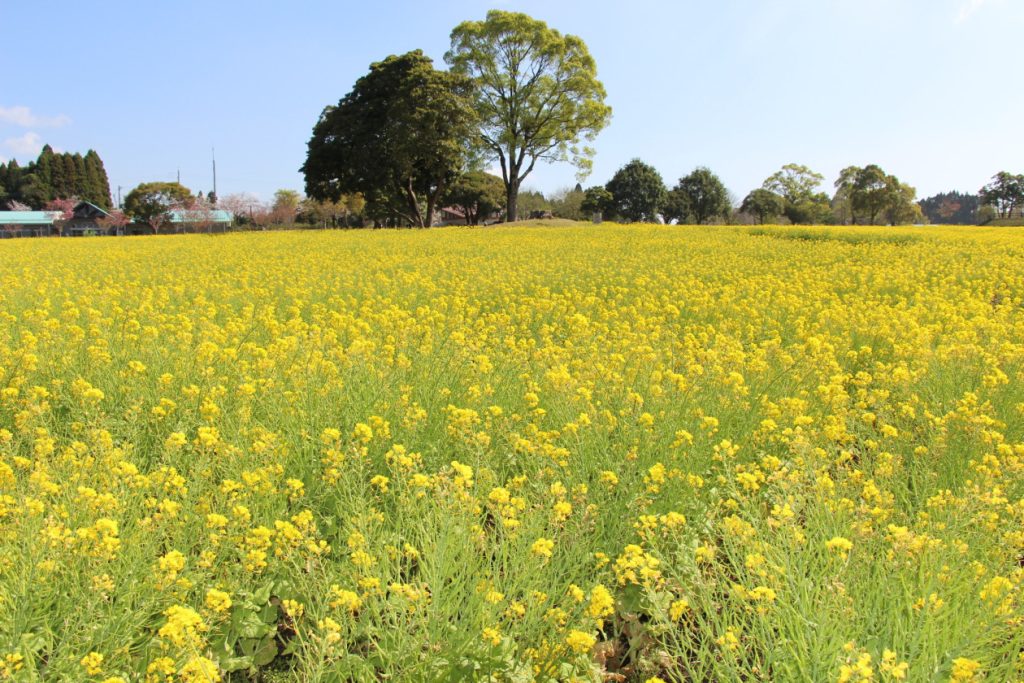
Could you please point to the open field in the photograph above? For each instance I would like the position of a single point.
(574, 454)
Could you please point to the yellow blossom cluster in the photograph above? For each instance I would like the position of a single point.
(645, 453)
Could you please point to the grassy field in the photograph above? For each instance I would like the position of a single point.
(557, 454)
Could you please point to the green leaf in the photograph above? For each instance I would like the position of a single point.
(235, 663)
(266, 653)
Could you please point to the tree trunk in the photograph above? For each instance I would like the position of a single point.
(512, 200)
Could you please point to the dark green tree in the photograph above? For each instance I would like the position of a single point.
(152, 203)
(477, 194)
(537, 94)
(871, 194)
(48, 173)
(80, 184)
(704, 195)
(638, 192)
(399, 138)
(97, 188)
(763, 204)
(597, 200)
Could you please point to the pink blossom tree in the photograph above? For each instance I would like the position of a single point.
(62, 211)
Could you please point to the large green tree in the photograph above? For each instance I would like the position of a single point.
(871, 195)
(638, 192)
(597, 200)
(537, 94)
(763, 204)
(1005, 193)
(152, 203)
(803, 202)
(703, 196)
(477, 194)
(399, 138)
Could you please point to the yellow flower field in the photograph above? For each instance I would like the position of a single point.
(567, 454)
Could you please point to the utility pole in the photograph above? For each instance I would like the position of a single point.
(213, 157)
(179, 176)
(119, 205)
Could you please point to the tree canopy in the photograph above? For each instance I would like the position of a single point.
(398, 138)
(597, 200)
(637, 191)
(54, 176)
(764, 204)
(536, 93)
(952, 208)
(698, 197)
(797, 185)
(152, 203)
(477, 194)
(1005, 193)
(872, 194)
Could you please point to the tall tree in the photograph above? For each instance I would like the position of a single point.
(286, 206)
(1005, 193)
(79, 186)
(802, 201)
(98, 185)
(152, 203)
(870, 192)
(400, 136)
(704, 194)
(638, 192)
(537, 94)
(763, 204)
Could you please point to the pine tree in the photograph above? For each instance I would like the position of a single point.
(80, 185)
(48, 173)
(12, 179)
(99, 184)
(67, 188)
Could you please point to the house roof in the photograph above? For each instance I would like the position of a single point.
(27, 217)
(83, 203)
(216, 216)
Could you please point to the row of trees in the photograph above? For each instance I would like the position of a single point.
(55, 176)
(635, 193)
(862, 195)
(517, 93)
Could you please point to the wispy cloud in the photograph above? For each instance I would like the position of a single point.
(23, 116)
(27, 145)
(967, 9)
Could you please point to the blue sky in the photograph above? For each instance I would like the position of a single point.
(929, 89)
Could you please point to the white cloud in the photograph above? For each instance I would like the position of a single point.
(27, 145)
(23, 116)
(967, 10)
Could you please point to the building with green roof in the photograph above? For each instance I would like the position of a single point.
(27, 223)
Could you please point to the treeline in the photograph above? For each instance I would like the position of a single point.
(54, 176)
(794, 194)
